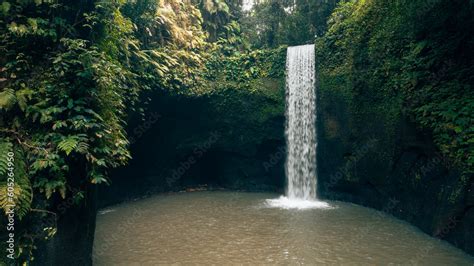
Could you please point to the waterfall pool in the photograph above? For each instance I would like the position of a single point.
(224, 228)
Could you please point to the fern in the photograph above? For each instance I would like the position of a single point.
(22, 197)
(22, 191)
(7, 99)
(68, 144)
(74, 143)
(82, 147)
(22, 97)
(5, 147)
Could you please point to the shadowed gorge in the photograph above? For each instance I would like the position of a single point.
(328, 132)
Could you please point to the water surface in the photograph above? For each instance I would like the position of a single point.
(226, 227)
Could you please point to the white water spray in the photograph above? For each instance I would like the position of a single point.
(300, 131)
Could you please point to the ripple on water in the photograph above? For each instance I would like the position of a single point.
(105, 211)
(222, 228)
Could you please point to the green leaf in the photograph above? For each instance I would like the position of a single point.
(5, 7)
(98, 179)
(23, 96)
(18, 193)
(7, 99)
(68, 144)
(70, 104)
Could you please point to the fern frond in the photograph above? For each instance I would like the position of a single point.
(68, 144)
(23, 96)
(82, 147)
(7, 99)
(5, 148)
(72, 143)
(20, 197)
(18, 193)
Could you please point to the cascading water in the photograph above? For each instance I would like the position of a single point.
(300, 123)
(300, 131)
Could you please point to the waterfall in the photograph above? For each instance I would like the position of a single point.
(300, 131)
(300, 122)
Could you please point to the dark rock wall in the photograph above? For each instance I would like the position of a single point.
(384, 161)
(232, 140)
(73, 242)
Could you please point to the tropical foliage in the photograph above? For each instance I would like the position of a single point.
(381, 54)
(272, 23)
(72, 73)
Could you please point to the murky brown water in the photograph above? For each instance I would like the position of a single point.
(227, 228)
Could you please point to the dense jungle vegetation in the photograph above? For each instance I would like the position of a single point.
(73, 72)
(381, 54)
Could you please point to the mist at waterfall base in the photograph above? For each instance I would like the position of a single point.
(300, 132)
